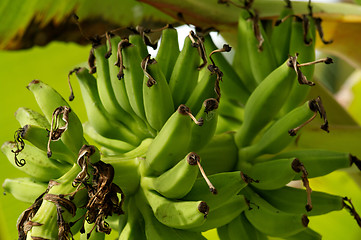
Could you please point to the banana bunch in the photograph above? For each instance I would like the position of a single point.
(185, 142)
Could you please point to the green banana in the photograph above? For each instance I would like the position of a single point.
(134, 228)
(321, 162)
(48, 100)
(118, 86)
(155, 230)
(223, 214)
(307, 52)
(272, 174)
(89, 228)
(168, 51)
(137, 39)
(307, 234)
(177, 181)
(293, 200)
(38, 165)
(281, 34)
(97, 116)
(203, 90)
(231, 85)
(240, 227)
(221, 146)
(241, 62)
(266, 101)
(39, 138)
(260, 52)
(157, 97)
(228, 184)
(104, 86)
(201, 135)
(184, 77)
(177, 214)
(279, 135)
(167, 147)
(133, 77)
(20, 188)
(113, 144)
(271, 221)
(28, 116)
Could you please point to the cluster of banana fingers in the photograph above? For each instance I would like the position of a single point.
(145, 179)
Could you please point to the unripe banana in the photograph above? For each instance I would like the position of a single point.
(105, 88)
(48, 100)
(272, 174)
(227, 124)
(117, 85)
(278, 136)
(177, 214)
(231, 85)
(281, 35)
(241, 62)
(266, 101)
(94, 234)
(133, 77)
(231, 109)
(137, 40)
(177, 181)
(307, 53)
(113, 144)
(28, 116)
(293, 200)
(223, 214)
(221, 146)
(321, 162)
(154, 230)
(184, 77)
(167, 148)
(97, 115)
(271, 221)
(261, 55)
(37, 163)
(228, 184)
(39, 137)
(201, 135)
(157, 97)
(203, 90)
(168, 51)
(24, 189)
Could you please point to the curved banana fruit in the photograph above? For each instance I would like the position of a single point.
(38, 165)
(19, 188)
(223, 214)
(168, 51)
(177, 181)
(184, 77)
(28, 116)
(157, 97)
(266, 101)
(167, 147)
(271, 221)
(177, 214)
(48, 100)
(227, 184)
(293, 200)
